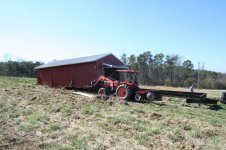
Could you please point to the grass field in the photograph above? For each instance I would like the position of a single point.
(39, 117)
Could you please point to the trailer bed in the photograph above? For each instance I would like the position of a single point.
(191, 97)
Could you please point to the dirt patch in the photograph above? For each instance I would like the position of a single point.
(20, 145)
(155, 116)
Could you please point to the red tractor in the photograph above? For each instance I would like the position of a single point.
(125, 88)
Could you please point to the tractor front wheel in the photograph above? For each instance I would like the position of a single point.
(123, 92)
(101, 92)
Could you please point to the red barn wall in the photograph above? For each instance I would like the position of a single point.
(84, 74)
(44, 76)
(77, 75)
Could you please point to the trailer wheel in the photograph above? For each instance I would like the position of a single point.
(101, 92)
(138, 97)
(150, 96)
(123, 92)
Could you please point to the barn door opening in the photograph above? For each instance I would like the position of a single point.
(111, 70)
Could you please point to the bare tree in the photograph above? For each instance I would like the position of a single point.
(19, 59)
(7, 56)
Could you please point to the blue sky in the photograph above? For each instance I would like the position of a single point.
(44, 30)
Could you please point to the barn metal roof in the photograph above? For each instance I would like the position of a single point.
(114, 66)
(73, 61)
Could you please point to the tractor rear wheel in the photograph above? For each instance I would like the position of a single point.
(123, 92)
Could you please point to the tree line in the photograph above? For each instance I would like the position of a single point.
(170, 70)
(18, 68)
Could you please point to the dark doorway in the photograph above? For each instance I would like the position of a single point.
(112, 72)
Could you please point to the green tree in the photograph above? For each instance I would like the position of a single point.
(170, 66)
(145, 64)
(132, 62)
(124, 58)
(189, 78)
(19, 68)
(158, 69)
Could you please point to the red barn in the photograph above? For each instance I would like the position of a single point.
(78, 72)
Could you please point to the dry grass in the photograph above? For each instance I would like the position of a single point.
(39, 117)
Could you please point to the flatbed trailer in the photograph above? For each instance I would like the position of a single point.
(191, 97)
